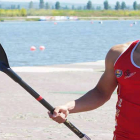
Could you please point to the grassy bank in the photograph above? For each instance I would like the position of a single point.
(81, 14)
(84, 13)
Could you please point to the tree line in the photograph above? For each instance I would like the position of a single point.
(43, 5)
(121, 10)
(121, 6)
(88, 6)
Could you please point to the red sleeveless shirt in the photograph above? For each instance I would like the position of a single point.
(128, 105)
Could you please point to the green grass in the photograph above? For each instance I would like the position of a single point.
(8, 14)
(13, 13)
(79, 13)
(84, 13)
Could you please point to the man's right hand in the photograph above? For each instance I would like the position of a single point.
(60, 114)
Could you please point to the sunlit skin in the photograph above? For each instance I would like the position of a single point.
(101, 93)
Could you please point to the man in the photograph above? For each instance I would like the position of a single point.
(122, 70)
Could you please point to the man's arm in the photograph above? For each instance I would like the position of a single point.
(98, 95)
(101, 93)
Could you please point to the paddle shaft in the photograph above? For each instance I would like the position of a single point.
(17, 79)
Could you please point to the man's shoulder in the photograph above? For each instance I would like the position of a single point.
(120, 48)
(116, 51)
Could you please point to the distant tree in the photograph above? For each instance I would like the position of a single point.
(0, 6)
(106, 5)
(73, 7)
(85, 7)
(79, 8)
(47, 6)
(23, 12)
(135, 5)
(41, 4)
(13, 6)
(98, 8)
(31, 5)
(89, 5)
(123, 5)
(53, 7)
(18, 7)
(57, 5)
(66, 7)
(128, 8)
(117, 6)
(138, 6)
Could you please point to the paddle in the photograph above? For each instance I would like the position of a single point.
(4, 67)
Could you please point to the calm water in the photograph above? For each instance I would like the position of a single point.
(66, 42)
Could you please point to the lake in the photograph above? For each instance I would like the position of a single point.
(65, 42)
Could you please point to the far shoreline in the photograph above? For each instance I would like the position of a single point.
(38, 18)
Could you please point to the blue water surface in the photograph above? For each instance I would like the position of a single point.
(67, 42)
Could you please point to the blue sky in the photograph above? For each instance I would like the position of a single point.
(128, 2)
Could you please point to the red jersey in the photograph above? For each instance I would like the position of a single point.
(128, 105)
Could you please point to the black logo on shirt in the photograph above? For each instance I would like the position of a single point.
(127, 73)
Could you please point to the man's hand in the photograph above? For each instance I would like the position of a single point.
(60, 114)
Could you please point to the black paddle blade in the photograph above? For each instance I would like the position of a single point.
(3, 58)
